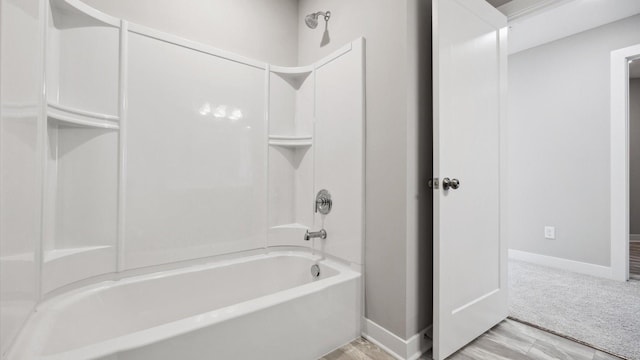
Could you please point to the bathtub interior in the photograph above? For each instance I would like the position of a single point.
(113, 309)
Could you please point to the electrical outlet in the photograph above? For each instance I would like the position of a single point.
(550, 232)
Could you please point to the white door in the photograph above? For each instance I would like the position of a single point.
(470, 250)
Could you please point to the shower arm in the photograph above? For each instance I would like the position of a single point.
(326, 15)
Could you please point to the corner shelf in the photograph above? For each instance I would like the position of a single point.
(84, 12)
(290, 159)
(52, 255)
(296, 141)
(73, 117)
(295, 76)
(65, 266)
(293, 226)
(287, 235)
(20, 110)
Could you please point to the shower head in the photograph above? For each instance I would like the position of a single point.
(312, 19)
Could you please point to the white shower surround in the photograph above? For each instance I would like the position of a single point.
(224, 310)
(214, 152)
(122, 95)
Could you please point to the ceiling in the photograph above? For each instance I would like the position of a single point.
(537, 22)
(516, 8)
(532, 22)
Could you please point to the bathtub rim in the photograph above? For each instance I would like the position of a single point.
(148, 336)
(183, 264)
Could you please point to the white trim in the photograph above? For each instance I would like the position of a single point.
(619, 184)
(43, 148)
(563, 264)
(397, 347)
(123, 106)
(265, 135)
(336, 54)
(634, 237)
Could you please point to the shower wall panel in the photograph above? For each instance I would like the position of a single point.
(196, 150)
(339, 153)
(21, 128)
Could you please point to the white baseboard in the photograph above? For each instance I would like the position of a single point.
(397, 347)
(563, 264)
(634, 237)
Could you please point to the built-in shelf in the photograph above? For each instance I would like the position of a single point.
(52, 255)
(287, 234)
(295, 226)
(293, 75)
(291, 141)
(68, 116)
(300, 71)
(64, 266)
(20, 110)
(83, 14)
(290, 144)
(20, 257)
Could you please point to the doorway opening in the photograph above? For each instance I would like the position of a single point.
(625, 163)
(570, 242)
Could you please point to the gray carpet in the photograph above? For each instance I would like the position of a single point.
(603, 313)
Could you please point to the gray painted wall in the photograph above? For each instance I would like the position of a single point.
(259, 29)
(398, 75)
(559, 143)
(634, 126)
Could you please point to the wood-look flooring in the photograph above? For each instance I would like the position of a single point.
(634, 259)
(509, 340)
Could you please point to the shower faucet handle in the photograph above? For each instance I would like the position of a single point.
(323, 202)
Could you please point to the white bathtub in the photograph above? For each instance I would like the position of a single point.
(263, 306)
